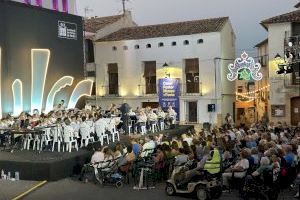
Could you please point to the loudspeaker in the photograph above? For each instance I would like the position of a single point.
(211, 107)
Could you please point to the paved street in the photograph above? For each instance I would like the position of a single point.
(70, 189)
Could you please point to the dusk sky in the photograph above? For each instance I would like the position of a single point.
(245, 15)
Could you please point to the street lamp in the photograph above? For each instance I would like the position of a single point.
(165, 67)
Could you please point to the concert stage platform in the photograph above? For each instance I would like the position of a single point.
(52, 166)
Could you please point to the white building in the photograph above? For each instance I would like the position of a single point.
(68, 6)
(129, 63)
(284, 87)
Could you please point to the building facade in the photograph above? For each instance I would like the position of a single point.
(284, 67)
(68, 6)
(130, 62)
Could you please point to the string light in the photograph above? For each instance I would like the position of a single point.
(247, 94)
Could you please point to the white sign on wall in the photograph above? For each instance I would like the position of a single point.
(67, 30)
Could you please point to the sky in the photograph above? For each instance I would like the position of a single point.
(245, 15)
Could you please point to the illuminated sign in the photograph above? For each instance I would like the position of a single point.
(67, 30)
(245, 68)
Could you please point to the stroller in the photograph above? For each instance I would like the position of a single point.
(261, 188)
(106, 172)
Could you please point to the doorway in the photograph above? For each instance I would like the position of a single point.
(295, 111)
(192, 107)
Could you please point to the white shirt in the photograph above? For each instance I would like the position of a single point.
(244, 163)
(147, 146)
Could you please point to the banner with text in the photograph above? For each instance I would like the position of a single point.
(169, 94)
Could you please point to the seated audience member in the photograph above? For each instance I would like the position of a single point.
(238, 170)
(148, 147)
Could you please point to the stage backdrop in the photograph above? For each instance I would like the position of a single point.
(169, 94)
(24, 28)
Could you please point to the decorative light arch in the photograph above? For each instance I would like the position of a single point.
(17, 89)
(61, 83)
(83, 88)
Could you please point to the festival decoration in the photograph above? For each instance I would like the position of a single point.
(246, 67)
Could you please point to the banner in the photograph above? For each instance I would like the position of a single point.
(169, 94)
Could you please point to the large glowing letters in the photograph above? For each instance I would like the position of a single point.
(83, 88)
(17, 89)
(61, 83)
(39, 66)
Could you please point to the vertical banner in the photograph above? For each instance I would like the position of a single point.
(169, 94)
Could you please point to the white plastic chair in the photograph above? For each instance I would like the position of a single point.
(27, 141)
(100, 131)
(69, 140)
(57, 137)
(85, 135)
(46, 137)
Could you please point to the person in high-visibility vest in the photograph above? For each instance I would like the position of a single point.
(213, 166)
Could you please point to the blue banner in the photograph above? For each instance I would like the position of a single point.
(169, 94)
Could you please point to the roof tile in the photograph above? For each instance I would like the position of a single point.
(165, 30)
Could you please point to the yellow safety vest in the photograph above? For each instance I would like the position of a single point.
(213, 166)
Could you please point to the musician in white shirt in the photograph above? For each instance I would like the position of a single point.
(171, 115)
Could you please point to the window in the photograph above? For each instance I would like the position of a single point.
(125, 48)
(240, 89)
(150, 77)
(192, 75)
(174, 43)
(296, 74)
(200, 41)
(161, 44)
(186, 42)
(148, 46)
(89, 51)
(137, 46)
(113, 79)
(114, 48)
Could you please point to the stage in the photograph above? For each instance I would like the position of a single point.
(53, 166)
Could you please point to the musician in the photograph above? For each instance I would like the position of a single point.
(171, 115)
(142, 119)
(152, 117)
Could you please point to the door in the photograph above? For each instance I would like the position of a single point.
(192, 111)
(295, 111)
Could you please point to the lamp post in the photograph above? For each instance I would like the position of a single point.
(165, 67)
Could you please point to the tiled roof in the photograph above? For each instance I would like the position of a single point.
(262, 43)
(96, 23)
(165, 30)
(287, 17)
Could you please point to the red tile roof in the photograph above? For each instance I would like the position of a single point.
(165, 30)
(262, 43)
(287, 17)
(96, 23)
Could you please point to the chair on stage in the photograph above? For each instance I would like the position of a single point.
(36, 142)
(57, 137)
(69, 140)
(46, 138)
(153, 126)
(113, 130)
(143, 129)
(86, 136)
(161, 125)
(100, 131)
(27, 141)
